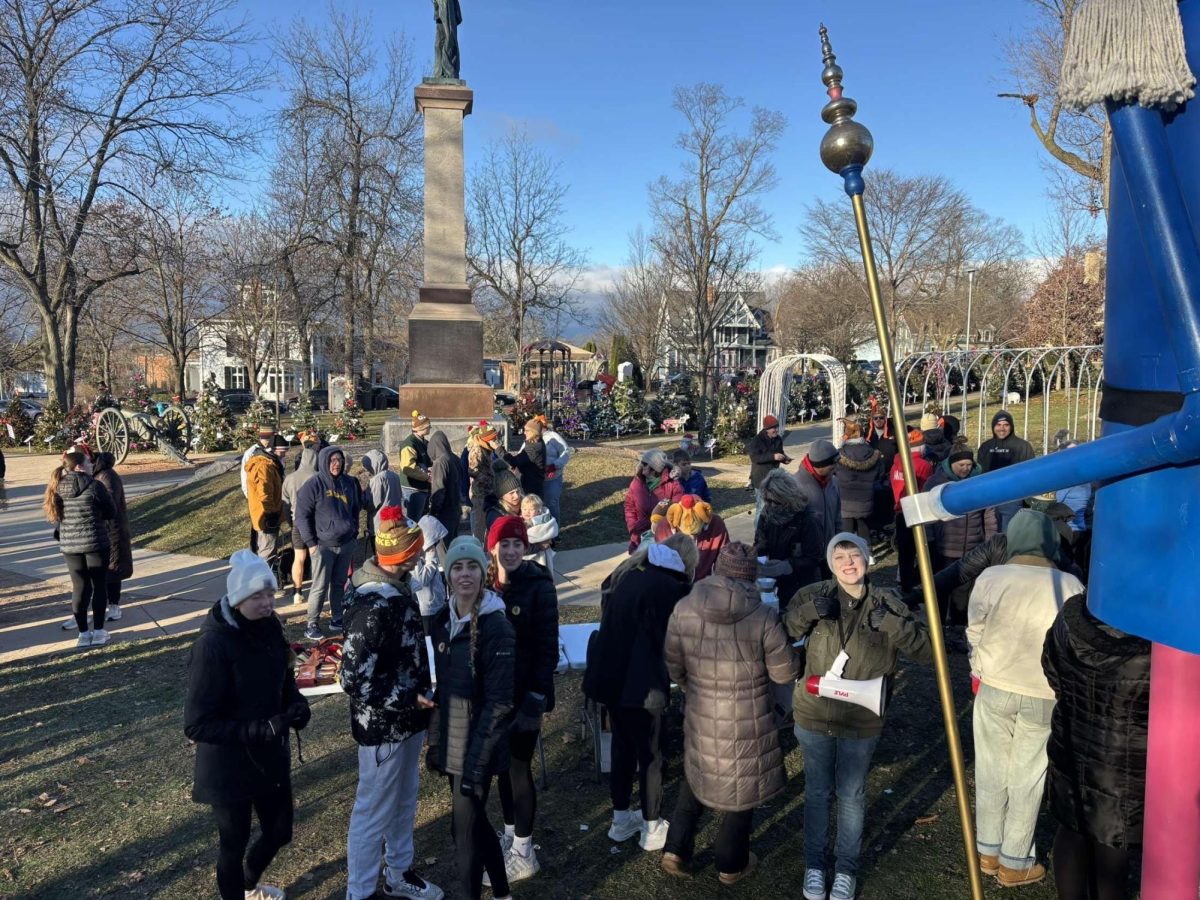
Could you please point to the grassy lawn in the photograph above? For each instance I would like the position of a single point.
(1061, 415)
(209, 518)
(95, 778)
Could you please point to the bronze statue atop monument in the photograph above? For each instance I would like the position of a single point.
(448, 15)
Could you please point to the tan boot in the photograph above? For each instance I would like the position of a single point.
(731, 878)
(674, 864)
(989, 865)
(1017, 877)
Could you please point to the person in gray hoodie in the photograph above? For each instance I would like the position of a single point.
(384, 489)
(445, 485)
(306, 468)
(326, 511)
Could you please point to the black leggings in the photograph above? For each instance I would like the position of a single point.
(476, 844)
(1087, 870)
(89, 587)
(732, 848)
(114, 590)
(906, 556)
(635, 750)
(861, 527)
(518, 797)
(238, 871)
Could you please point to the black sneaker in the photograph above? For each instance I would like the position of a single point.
(412, 885)
(335, 624)
(313, 633)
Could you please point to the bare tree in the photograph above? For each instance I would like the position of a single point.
(250, 312)
(822, 309)
(634, 307)
(97, 97)
(1078, 141)
(517, 252)
(926, 235)
(706, 222)
(361, 139)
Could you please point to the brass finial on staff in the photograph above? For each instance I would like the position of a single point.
(846, 149)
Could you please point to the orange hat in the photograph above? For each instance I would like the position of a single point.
(420, 422)
(397, 541)
(915, 438)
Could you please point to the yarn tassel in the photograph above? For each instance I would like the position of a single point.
(1125, 51)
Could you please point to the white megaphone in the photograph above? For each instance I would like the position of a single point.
(870, 695)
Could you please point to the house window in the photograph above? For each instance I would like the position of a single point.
(289, 382)
(236, 378)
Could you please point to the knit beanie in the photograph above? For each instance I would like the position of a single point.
(507, 527)
(690, 515)
(915, 437)
(770, 422)
(266, 431)
(929, 422)
(506, 482)
(248, 574)
(420, 423)
(846, 537)
(397, 541)
(961, 452)
(655, 459)
(465, 547)
(738, 561)
(822, 453)
(484, 433)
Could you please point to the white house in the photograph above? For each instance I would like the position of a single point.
(218, 353)
(744, 339)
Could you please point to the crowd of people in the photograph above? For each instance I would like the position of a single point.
(448, 634)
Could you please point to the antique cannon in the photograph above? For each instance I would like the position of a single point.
(171, 431)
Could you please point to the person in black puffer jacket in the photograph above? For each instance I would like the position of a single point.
(859, 472)
(385, 673)
(532, 605)
(79, 507)
(475, 647)
(120, 546)
(1097, 750)
(786, 532)
(627, 672)
(241, 702)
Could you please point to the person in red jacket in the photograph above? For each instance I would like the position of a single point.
(906, 547)
(651, 483)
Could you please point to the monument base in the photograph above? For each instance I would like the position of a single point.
(448, 401)
(445, 346)
(397, 429)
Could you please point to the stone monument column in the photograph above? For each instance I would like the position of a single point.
(445, 332)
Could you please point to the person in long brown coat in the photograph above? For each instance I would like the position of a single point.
(120, 541)
(724, 648)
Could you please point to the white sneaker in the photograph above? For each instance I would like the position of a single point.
(69, 625)
(113, 614)
(413, 885)
(99, 637)
(843, 887)
(814, 884)
(626, 823)
(266, 892)
(84, 639)
(517, 867)
(654, 835)
(506, 842)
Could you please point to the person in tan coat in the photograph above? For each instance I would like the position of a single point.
(264, 497)
(724, 647)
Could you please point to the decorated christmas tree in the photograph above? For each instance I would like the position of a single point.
(570, 420)
(629, 406)
(212, 428)
(22, 424)
(601, 418)
(51, 432)
(139, 394)
(523, 410)
(259, 413)
(735, 418)
(348, 422)
(304, 417)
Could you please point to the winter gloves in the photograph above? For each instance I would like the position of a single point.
(262, 731)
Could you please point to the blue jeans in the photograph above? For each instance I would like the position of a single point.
(830, 761)
(552, 495)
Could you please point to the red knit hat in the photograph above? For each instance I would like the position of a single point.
(770, 422)
(507, 527)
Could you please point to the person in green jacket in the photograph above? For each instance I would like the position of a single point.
(838, 738)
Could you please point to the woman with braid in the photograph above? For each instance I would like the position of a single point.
(474, 647)
(532, 606)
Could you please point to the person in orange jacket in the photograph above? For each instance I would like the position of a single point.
(264, 497)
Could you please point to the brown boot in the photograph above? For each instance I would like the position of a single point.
(1017, 877)
(674, 864)
(731, 878)
(989, 865)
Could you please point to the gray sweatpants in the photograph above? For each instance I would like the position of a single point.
(330, 566)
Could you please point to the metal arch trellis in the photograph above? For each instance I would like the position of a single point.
(1081, 366)
(775, 384)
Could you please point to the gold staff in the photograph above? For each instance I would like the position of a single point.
(845, 149)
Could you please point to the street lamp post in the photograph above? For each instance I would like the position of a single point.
(970, 286)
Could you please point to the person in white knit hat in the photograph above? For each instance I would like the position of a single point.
(241, 703)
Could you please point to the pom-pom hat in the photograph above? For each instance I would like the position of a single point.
(397, 540)
(507, 527)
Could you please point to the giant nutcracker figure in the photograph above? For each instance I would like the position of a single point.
(1134, 56)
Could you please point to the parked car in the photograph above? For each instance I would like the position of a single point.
(379, 397)
(504, 401)
(237, 400)
(32, 408)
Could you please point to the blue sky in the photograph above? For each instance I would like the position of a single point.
(592, 82)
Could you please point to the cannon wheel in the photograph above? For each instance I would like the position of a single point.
(112, 434)
(176, 429)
